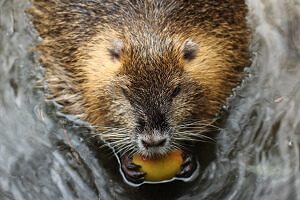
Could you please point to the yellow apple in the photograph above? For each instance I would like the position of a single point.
(159, 169)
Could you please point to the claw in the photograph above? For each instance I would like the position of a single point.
(131, 170)
(188, 166)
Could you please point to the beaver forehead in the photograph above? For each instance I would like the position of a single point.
(153, 88)
(152, 77)
(151, 58)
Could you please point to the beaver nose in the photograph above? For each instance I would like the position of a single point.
(154, 143)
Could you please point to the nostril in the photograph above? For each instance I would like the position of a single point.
(145, 144)
(150, 143)
(161, 142)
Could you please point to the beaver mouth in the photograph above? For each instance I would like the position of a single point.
(133, 174)
(153, 146)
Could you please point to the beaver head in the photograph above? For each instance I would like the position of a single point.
(148, 75)
(156, 90)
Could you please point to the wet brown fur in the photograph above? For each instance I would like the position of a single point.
(81, 74)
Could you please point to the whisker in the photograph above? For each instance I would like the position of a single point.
(207, 128)
(200, 124)
(90, 137)
(177, 145)
(116, 142)
(191, 132)
(130, 151)
(124, 148)
(191, 139)
(190, 136)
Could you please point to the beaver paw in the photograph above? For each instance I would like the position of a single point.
(131, 170)
(188, 166)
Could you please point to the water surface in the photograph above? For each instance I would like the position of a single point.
(45, 156)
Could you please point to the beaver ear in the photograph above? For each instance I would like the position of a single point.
(116, 49)
(189, 49)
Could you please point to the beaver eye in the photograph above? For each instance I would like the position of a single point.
(176, 91)
(115, 55)
(116, 49)
(125, 92)
(189, 50)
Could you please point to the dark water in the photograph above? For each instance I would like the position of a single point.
(44, 156)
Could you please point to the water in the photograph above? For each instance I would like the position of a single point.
(43, 156)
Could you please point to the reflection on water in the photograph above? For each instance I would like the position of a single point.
(42, 156)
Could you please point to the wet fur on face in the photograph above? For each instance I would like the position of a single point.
(152, 71)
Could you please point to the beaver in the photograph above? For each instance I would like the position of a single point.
(149, 76)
